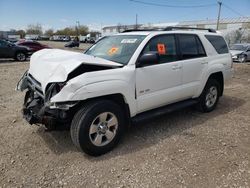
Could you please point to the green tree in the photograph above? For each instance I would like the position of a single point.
(49, 32)
(21, 33)
(35, 29)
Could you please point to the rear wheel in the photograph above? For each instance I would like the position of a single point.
(97, 127)
(210, 96)
(20, 56)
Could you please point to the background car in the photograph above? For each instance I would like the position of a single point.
(32, 45)
(11, 50)
(240, 52)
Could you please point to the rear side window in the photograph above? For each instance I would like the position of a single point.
(191, 47)
(218, 43)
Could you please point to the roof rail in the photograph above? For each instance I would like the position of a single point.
(171, 28)
(149, 29)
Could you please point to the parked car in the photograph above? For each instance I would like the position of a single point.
(32, 45)
(11, 50)
(124, 78)
(72, 44)
(240, 52)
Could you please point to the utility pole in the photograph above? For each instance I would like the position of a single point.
(136, 21)
(77, 27)
(218, 19)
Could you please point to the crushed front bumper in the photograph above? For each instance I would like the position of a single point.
(36, 110)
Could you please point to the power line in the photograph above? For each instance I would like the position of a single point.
(172, 6)
(236, 12)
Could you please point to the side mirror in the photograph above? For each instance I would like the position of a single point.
(149, 58)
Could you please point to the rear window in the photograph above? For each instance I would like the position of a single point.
(218, 43)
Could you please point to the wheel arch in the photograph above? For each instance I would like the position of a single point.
(218, 76)
(118, 98)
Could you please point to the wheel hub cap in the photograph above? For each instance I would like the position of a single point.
(103, 129)
(211, 97)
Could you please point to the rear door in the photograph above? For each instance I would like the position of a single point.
(194, 62)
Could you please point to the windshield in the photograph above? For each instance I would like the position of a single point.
(117, 48)
(239, 47)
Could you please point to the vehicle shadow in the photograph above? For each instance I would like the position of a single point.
(3, 61)
(146, 133)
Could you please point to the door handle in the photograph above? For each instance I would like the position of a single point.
(175, 67)
(204, 62)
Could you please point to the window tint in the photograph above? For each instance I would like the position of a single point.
(165, 46)
(3, 43)
(191, 47)
(218, 43)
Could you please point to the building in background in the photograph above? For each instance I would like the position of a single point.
(226, 25)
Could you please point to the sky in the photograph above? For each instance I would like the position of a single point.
(57, 14)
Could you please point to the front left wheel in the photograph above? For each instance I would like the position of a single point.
(97, 127)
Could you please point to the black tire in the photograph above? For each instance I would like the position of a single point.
(84, 119)
(20, 56)
(203, 103)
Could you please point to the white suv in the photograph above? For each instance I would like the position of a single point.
(124, 78)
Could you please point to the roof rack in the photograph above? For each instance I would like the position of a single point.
(149, 29)
(171, 28)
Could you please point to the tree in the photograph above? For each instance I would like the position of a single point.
(35, 29)
(21, 33)
(83, 30)
(49, 32)
(72, 31)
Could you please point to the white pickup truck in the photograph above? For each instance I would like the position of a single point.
(123, 78)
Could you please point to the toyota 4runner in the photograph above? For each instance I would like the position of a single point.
(123, 78)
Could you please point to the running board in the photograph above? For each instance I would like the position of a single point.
(163, 110)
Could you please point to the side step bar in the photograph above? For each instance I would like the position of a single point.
(163, 110)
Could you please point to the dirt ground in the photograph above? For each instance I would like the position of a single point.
(181, 149)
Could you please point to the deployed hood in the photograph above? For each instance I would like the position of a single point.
(236, 52)
(54, 65)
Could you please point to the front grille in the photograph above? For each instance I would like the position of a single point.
(35, 85)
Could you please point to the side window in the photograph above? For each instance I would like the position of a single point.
(3, 44)
(165, 46)
(218, 43)
(191, 47)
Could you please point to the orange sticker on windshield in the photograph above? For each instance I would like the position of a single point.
(112, 50)
(161, 49)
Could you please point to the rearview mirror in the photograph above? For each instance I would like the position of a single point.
(149, 58)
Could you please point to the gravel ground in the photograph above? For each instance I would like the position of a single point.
(181, 149)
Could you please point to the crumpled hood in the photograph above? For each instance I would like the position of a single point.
(54, 65)
(236, 52)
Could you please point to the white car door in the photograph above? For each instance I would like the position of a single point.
(159, 83)
(194, 63)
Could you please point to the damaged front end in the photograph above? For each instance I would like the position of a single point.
(37, 108)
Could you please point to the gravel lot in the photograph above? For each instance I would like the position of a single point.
(181, 149)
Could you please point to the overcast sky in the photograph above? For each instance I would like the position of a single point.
(17, 14)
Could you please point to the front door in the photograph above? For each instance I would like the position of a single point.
(159, 83)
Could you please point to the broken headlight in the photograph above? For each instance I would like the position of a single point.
(53, 89)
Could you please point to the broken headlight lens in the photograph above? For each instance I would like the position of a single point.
(53, 89)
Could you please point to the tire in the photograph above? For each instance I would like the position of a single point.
(90, 130)
(209, 98)
(20, 56)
